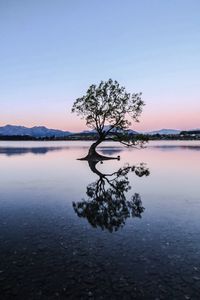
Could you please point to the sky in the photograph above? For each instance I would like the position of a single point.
(51, 51)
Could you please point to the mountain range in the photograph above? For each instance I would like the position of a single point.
(41, 131)
(37, 131)
(164, 131)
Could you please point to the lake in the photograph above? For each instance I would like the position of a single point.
(121, 229)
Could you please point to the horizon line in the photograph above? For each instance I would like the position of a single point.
(142, 131)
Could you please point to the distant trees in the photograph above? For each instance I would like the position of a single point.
(109, 109)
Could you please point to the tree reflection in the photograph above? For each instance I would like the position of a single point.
(107, 206)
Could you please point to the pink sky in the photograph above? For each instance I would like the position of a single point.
(150, 120)
(51, 54)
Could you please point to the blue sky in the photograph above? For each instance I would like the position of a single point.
(51, 51)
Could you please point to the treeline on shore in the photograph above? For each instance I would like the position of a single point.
(184, 135)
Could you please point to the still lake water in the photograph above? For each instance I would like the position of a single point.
(130, 237)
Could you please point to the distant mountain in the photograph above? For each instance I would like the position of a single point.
(164, 132)
(191, 131)
(37, 131)
(41, 131)
(196, 129)
(106, 128)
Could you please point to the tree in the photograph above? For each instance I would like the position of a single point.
(108, 109)
(107, 206)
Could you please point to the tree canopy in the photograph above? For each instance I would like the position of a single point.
(109, 109)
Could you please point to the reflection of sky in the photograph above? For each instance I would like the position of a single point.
(50, 52)
(40, 188)
(38, 225)
(174, 173)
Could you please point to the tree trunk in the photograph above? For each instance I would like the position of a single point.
(92, 151)
(93, 155)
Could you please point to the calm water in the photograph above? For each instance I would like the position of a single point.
(69, 232)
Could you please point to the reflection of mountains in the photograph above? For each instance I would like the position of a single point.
(9, 151)
(113, 149)
(110, 150)
(107, 206)
(175, 147)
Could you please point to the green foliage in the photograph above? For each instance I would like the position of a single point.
(108, 104)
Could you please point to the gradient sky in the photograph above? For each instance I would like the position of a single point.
(52, 50)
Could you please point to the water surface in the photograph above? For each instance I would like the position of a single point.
(59, 240)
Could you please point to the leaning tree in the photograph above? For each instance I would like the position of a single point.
(109, 109)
